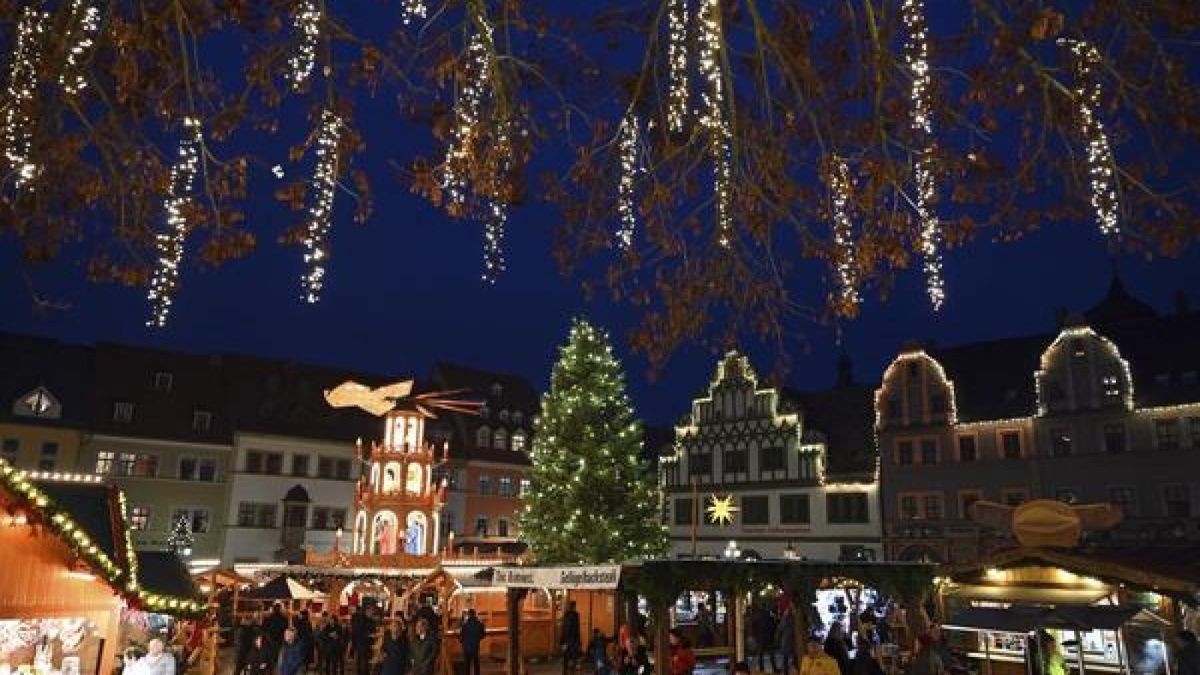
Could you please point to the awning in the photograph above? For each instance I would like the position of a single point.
(1025, 618)
(281, 588)
(1015, 619)
(1028, 595)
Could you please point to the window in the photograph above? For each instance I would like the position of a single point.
(497, 390)
(197, 518)
(342, 469)
(1194, 431)
(1166, 434)
(49, 456)
(525, 485)
(295, 515)
(300, 465)
(1060, 442)
(139, 518)
(910, 506)
(1112, 386)
(756, 510)
(1010, 443)
(38, 403)
(481, 526)
(518, 441)
(793, 509)
(808, 465)
(966, 449)
(485, 485)
(252, 514)
(254, 462)
(733, 461)
(932, 503)
(937, 403)
(1079, 347)
(505, 486)
(893, 410)
(328, 518)
(1162, 379)
(502, 527)
(1125, 497)
(1067, 495)
(273, 463)
(201, 469)
(201, 421)
(483, 437)
(771, 459)
(965, 499)
(11, 447)
(104, 461)
(700, 463)
(122, 411)
(1015, 496)
(1177, 500)
(683, 511)
(846, 507)
(929, 451)
(504, 415)
(325, 467)
(137, 465)
(904, 453)
(500, 439)
(163, 381)
(1114, 438)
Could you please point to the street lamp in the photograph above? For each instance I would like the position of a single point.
(732, 551)
(789, 552)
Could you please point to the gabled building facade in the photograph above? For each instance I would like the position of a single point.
(43, 402)
(1105, 410)
(751, 475)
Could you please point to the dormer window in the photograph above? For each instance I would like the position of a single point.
(1112, 386)
(518, 418)
(122, 411)
(38, 403)
(497, 390)
(163, 381)
(503, 415)
(483, 437)
(201, 420)
(483, 411)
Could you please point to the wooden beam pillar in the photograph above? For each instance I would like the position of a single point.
(661, 615)
(513, 599)
(739, 630)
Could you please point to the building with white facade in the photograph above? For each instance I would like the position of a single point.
(751, 477)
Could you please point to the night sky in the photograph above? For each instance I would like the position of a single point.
(403, 291)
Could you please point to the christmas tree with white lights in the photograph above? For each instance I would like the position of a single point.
(180, 539)
(591, 499)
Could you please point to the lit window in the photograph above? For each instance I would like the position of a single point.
(196, 518)
(518, 441)
(525, 486)
(500, 439)
(49, 456)
(139, 518)
(506, 486)
(1112, 386)
(105, 461)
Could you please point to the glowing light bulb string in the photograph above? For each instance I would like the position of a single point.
(628, 142)
(916, 57)
(170, 242)
(83, 25)
(678, 97)
(714, 117)
(843, 237)
(307, 22)
(1101, 165)
(320, 210)
(18, 121)
(414, 9)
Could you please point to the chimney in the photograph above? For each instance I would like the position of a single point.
(1182, 304)
(845, 371)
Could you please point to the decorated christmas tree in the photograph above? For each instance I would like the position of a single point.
(180, 539)
(591, 499)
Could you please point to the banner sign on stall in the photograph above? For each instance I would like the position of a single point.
(590, 577)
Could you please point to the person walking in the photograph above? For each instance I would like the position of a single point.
(927, 660)
(764, 636)
(1053, 662)
(1187, 659)
(570, 641)
(816, 661)
(331, 646)
(785, 637)
(395, 654)
(244, 641)
(683, 659)
(273, 627)
(471, 635)
(835, 646)
(291, 655)
(598, 652)
(424, 649)
(304, 635)
(864, 662)
(259, 662)
(362, 633)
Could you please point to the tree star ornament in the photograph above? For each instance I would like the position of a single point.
(308, 24)
(721, 510)
(678, 96)
(169, 243)
(21, 99)
(843, 238)
(320, 211)
(713, 116)
(627, 146)
(84, 23)
(1105, 202)
(916, 57)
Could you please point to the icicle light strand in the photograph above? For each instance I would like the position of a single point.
(170, 242)
(308, 23)
(677, 64)
(713, 117)
(1105, 201)
(84, 23)
(21, 93)
(628, 143)
(320, 212)
(414, 9)
(916, 56)
(496, 216)
(466, 113)
(841, 187)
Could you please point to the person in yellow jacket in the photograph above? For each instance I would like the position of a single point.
(816, 661)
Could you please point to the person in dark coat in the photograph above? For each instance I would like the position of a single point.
(835, 646)
(291, 656)
(785, 637)
(273, 627)
(471, 636)
(331, 646)
(259, 661)
(362, 633)
(424, 649)
(395, 654)
(764, 625)
(244, 640)
(304, 635)
(864, 662)
(1187, 659)
(598, 652)
(571, 641)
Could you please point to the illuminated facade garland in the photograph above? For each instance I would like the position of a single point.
(916, 57)
(22, 94)
(304, 59)
(84, 23)
(677, 64)
(320, 212)
(1061, 342)
(843, 238)
(169, 243)
(714, 117)
(939, 371)
(627, 141)
(1105, 202)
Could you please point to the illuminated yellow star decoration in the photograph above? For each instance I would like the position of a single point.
(721, 509)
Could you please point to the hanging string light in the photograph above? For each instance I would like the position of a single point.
(467, 111)
(713, 117)
(495, 215)
(22, 90)
(84, 21)
(1105, 202)
(627, 142)
(414, 9)
(677, 62)
(916, 57)
(169, 242)
(320, 212)
(840, 187)
(308, 24)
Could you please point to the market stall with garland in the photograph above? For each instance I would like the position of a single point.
(70, 574)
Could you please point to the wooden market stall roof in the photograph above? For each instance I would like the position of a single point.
(1027, 618)
(1170, 571)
